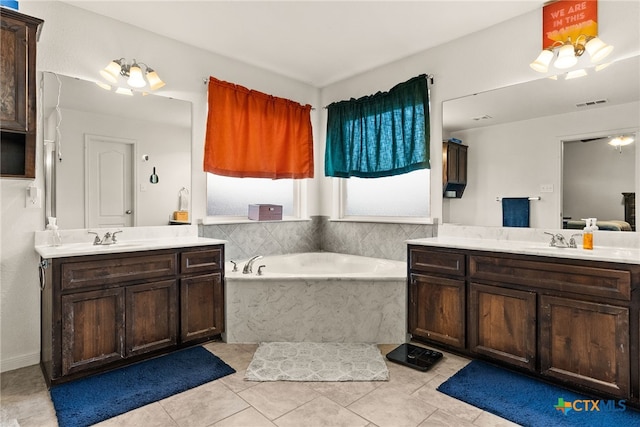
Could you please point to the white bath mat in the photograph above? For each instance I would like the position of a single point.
(307, 361)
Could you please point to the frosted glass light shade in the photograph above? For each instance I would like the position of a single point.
(620, 141)
(111, 71)
(154, 80)
(598, 49)
(135, 77)
(108, 76)
(566, 57)
(124, 91)
(103, 85)
(575, 74)
(541, 64)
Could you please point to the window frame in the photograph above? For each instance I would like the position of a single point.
(300, 207)
(339, 203)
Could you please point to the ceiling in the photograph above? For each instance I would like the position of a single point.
(616, 84)
(316, 42)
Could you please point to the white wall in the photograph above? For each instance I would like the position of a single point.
(78, 43)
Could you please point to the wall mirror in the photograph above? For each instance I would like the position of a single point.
(113, 160)
(516, 138)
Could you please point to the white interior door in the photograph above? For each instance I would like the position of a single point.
(109, 178)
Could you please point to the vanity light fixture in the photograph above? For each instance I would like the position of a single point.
(569, 52)
(138, 74)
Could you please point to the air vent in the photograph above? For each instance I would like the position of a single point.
(485, 117)
(591, 103)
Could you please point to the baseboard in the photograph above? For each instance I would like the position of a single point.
(19, 362)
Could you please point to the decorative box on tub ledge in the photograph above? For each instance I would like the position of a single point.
(265, 212)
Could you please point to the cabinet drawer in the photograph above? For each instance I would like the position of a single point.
(595, 281)
(85, 274)
(198, 261)
(437, 261)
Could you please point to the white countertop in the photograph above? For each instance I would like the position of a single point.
(599, 253)
(79, 242)
(87, 248)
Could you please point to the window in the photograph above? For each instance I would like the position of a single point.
(231, 197)
(406, 195)
(381, 144)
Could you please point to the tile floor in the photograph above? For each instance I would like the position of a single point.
(409, 398)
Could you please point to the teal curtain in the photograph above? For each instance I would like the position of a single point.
(379, 135)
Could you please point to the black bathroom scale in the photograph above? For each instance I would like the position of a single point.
(414, 357)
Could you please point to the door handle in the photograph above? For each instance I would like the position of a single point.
(128, 211)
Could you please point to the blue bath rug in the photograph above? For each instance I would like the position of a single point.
(90, 400)
(531, 402)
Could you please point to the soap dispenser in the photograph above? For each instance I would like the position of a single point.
(56, 239)
(587, 237)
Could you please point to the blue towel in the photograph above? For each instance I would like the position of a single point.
(515, 212)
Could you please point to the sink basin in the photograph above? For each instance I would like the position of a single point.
(92, 247)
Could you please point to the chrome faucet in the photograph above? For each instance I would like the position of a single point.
(557, 240)
(248, 267)
(109, 238)
(572, 240)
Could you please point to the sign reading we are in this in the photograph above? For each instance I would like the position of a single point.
(564, 19)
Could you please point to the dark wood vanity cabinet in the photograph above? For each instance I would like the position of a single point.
(105, 311)
(18, 39)
(573, 322)
(437, 297)
(201, 295)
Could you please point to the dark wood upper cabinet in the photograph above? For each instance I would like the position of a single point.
(19, 34)
(454, 169)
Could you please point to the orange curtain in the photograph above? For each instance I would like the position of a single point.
(254, 135)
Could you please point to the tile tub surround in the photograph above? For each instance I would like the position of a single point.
(315, 310)
(377, 240)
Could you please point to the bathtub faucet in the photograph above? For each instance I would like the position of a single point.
(248, 267)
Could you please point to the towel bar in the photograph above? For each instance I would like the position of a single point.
(498, 199)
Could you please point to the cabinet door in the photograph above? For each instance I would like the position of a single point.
(502, 324)
(437, 309)
(151, 321)
(452, 162)
(202, 306)
(462, 164)
(585, 343)
(92, 329)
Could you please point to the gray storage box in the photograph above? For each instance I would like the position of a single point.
(265, 212)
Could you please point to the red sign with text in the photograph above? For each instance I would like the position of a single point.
(562, 20)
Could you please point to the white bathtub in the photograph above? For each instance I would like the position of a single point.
(319, 265)
(317, 297)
